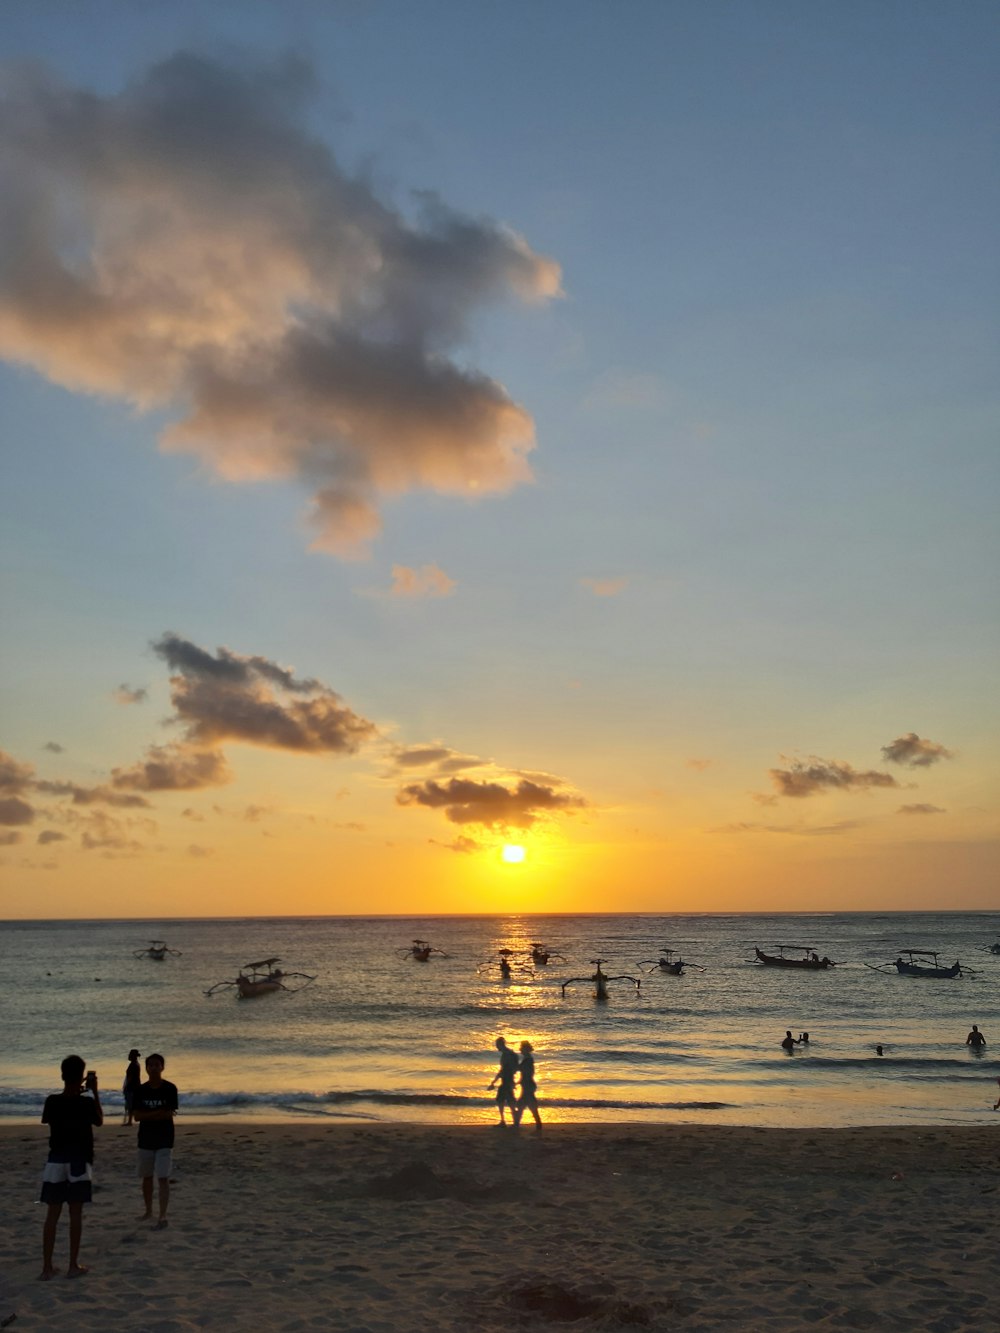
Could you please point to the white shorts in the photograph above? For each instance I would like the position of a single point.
(155, 1162)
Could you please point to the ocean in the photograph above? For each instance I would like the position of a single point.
(380, 1036)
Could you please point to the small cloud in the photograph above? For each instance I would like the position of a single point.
(461, 844)
(50, 835)
(605, 587)
(491, 804)
(427, 581)
(174, 768)
(436, 757)
(9, 839)
(53, 747)
(15, 811)
(914, 751)
(796, 830)
(196, 851)
(921, 808)
(254, 813)
(193, 815)
(699, 765)
(92, 795)
(814, 776)
(124, 694)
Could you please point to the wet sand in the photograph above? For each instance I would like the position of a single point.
(397, 1227)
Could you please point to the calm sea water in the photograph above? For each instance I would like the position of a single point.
(383, 1037)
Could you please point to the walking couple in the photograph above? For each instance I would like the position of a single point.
(503, 1081)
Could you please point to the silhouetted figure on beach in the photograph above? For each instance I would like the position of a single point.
(155, 1108)
(803, 1038)
(789, 1043)
(505, 1078)
(975, 1039)
(527, 1101)
(68, 1172)
(133, 1077)
(879, 1050)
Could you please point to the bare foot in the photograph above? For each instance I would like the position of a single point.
(77, 1270)
(144, 1217)
(47, 1273)
(161, 1225)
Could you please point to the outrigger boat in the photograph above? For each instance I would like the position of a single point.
(920, 963)
(600, 980)
(541, 954)
(420, 950)
(810, 959)
(670, 962)
(157, 950)
(261, 978)
(503, 962)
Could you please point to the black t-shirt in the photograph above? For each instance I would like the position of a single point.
(71, 1119)
(156, 1133)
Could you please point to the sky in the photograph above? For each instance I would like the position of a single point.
(429, 430)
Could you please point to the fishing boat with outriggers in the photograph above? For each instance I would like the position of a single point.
(920, 963)
(261, 978)
(157, 950)
(420, 951)
(670, 962)
(803, 956)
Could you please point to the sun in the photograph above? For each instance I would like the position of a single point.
(512, 853)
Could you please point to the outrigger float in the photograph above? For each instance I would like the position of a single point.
(156, 950)
(600, 980)
(670, 962)
(261, 978)
(787, 957)
(920, 963)
(420, 951)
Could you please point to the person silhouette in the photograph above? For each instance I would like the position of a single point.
(505, 1078)
(975, 1039)
(789, 1043)
(527, 1101)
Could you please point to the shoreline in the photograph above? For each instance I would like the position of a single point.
(381, 1226)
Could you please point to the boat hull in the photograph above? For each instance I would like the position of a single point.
(915, 970)
(805, 964)
(249, 989)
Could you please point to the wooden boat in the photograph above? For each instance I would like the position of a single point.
(261, 978)
(924, 963)
(157, 950)
(420, 951)
(541, 953)
(669, 961)
(787, 957)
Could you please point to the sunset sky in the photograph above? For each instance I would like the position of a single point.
(435, 427)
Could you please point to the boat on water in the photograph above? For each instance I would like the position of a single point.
(420, 951)
(669, 961)
(261, 978)
(541, 954)
(600, 979)
(157, 950)
(794, 955)
(924, 963)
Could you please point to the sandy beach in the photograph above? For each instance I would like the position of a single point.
(386, 1227)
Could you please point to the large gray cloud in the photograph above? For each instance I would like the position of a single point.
(187, 244)
(809, 777)
(229, 697)
(914, 751)
(491, 804)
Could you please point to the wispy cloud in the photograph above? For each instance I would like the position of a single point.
(813, 776)
(914, 751)
(921, 808)
(124, 694)
(436, 758)
(796, 830)
(188, 245)
(53, 747)
(427, 581)
(699, 765)
(605, 587)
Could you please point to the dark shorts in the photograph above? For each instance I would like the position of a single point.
(66, 1182)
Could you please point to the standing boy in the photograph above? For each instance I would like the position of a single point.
(69, 1171)
(154, 1108)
